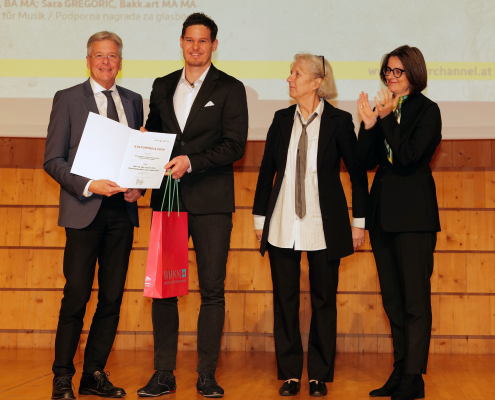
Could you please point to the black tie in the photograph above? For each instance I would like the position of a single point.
(111, 109)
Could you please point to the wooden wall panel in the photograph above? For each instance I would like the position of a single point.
(4, 151)
(472, 153)
(455, 316)
(22, 151)
(463, 281)
(30, 299)
(450, 153)
(462, 229)
(454, 273)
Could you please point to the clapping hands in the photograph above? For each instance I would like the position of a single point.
(385, 104)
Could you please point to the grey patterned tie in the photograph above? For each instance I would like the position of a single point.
(111, 109)
(302, 153)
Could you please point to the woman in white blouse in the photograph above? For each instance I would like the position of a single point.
(305, 209)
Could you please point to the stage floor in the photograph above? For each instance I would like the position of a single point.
(26, 374)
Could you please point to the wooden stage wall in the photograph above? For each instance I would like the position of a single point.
(463, 282)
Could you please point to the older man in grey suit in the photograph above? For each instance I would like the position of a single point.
(99, 219)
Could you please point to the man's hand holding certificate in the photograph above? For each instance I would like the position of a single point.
(111, 151)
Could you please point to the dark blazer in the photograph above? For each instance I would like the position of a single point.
(213, 138)
(70, 111)
(337, 140)
(406, 187)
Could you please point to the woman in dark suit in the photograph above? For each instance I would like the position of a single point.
(400, 137)
(305, 209)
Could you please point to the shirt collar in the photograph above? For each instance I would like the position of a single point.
(319, 110)
(97, 88)
(198, 81)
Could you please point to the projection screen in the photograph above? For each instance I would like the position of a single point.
(43, 49)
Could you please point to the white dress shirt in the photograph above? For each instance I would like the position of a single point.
(287, 230)
(184, 97)
(101, 103)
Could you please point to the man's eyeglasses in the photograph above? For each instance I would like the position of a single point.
(101, 57)
(396, 71)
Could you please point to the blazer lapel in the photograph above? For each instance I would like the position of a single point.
(327, 130)
(410, 109)
(129, 114)
(204, 92)
(89, 97)
(286, 125)
(171, 86)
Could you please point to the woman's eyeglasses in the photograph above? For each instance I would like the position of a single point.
(396, 71)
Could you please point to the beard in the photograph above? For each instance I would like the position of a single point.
(197, 63)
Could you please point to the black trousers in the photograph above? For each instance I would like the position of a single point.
(405, 263)
(324, 279)
(107, 239)
(211, 238)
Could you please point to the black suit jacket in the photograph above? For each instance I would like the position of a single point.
(214, 138)
(337, 140)
(70, 111)
(406, 188)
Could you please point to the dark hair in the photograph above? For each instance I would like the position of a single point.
(200, 19)
(414, 63)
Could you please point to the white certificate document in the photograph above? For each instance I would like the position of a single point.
(130, 158)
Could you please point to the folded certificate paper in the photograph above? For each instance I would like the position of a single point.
(130, 158)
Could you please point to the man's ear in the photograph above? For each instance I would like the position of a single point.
(214, 45)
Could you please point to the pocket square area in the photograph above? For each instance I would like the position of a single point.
(209, 104)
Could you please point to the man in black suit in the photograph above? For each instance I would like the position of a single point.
(99, 219)
(207, 109)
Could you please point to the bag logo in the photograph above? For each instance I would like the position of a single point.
(175, 275)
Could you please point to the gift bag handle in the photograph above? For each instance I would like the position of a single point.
(174, 190)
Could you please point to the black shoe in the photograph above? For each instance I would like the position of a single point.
(98, 384)
(160, 383)
(62, 387)
(208, 386)
(317, 389)
(290, 388)
(412, 387)
(391, 386)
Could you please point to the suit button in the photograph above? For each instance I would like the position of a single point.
(325, 218)
(182, 143)
(322, 196)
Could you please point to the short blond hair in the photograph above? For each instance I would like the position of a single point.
(105, 35)
(314, 65)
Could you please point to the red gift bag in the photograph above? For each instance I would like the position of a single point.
(167, 269)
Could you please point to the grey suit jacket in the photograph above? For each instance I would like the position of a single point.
(70, 111)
